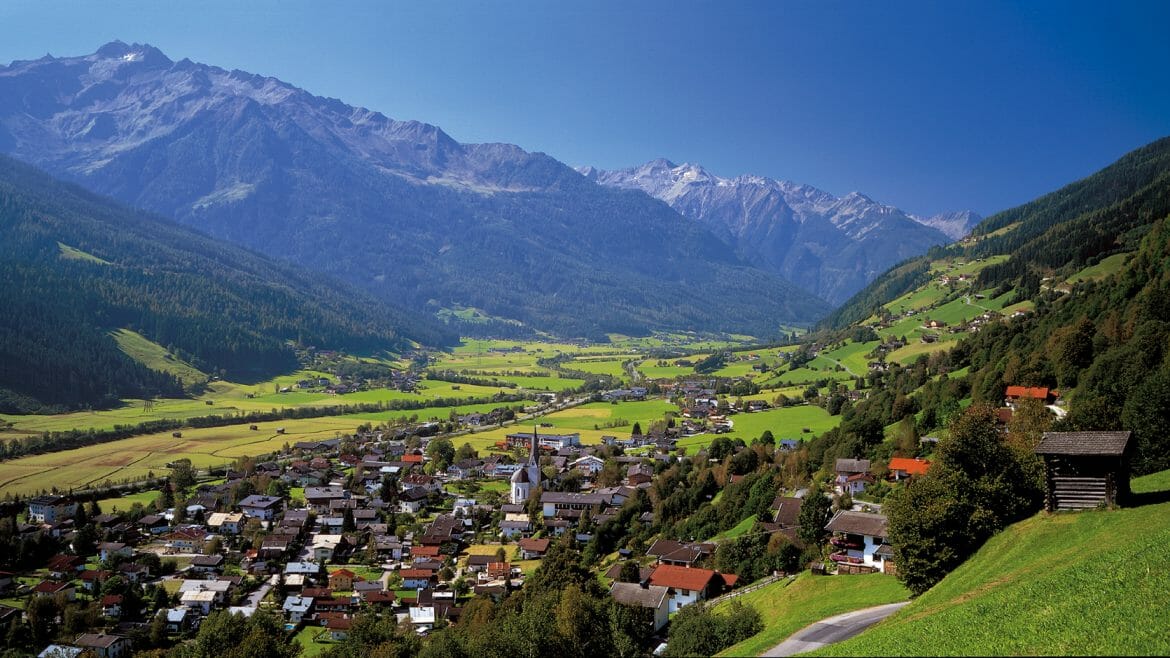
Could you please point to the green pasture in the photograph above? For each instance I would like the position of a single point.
(156, 357)
(1085, 583)
(788, 607)
(784, 423)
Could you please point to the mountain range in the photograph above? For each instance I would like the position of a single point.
(398, 208)
(75, 267)
(831, 246)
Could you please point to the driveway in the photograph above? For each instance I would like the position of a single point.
(833, 629)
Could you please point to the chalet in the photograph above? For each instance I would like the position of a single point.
(51, 509)
(1013, 394)
(155, 524)
(669, 551)
(65, 567)
(227, 524)
(92, 579)
(421, 481)
(337, 606)
(532, 549)
(787, 511)
(297, 608)
(104, 646)
(844, 468)
(589, 464)
(856, 483)
(134, 572)
(178, 619)
(859, 538)
(207, 563)
(342, 580)
(554, 501)
(412, 501)
(479, 563)
(1084, 470)
(465, 468)
(187, 539)
(112, 606)
(109, 549)
(639, 474)
(515, 528)
(339, 628)
(203, 594)
(687, 585)
(54, 588)
(417, 578)
(325, 547)
(903, 467)
(638, 595)
(551, 441)
(361, 587)
(261, 507)
(318, 498)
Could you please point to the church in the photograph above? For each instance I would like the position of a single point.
(527, 478)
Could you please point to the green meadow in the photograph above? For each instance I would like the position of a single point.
(1085, 583)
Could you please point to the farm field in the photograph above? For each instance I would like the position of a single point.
(611, 367)
(651, 370)
(206, 447)
(124, 503)
(852, 356)
(784, 423)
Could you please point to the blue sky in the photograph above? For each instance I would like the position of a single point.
(930, 106)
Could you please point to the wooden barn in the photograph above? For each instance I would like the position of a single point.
(1085, 469)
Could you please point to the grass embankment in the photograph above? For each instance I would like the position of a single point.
(787, 608)
(1088, 583)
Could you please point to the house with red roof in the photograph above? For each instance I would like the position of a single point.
(687, 584)
(1014, 394)
(903, 467)
(342, 580)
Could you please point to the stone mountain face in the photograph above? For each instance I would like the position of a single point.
(827, 245)
(397, 207)
(955, 224)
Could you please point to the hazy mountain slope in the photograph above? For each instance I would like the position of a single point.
(954, 224)
(74, 266)
(398, 208)
(827, 245)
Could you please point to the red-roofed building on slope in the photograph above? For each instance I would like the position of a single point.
(688, 584)
(903, 467)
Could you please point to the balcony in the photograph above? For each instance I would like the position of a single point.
(843, 558)
(845, 542)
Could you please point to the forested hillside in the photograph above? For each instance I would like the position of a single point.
(74, 266)
(1095, 333)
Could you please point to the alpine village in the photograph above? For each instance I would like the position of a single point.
(235, 421)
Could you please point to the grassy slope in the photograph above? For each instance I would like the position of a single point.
(155, 356)
(787, 608)
(1091, 583)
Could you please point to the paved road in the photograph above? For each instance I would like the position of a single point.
(833, 629)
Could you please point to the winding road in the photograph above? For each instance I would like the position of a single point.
(833, 629)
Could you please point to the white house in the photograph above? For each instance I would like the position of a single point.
(860, 540)
(655, 597)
